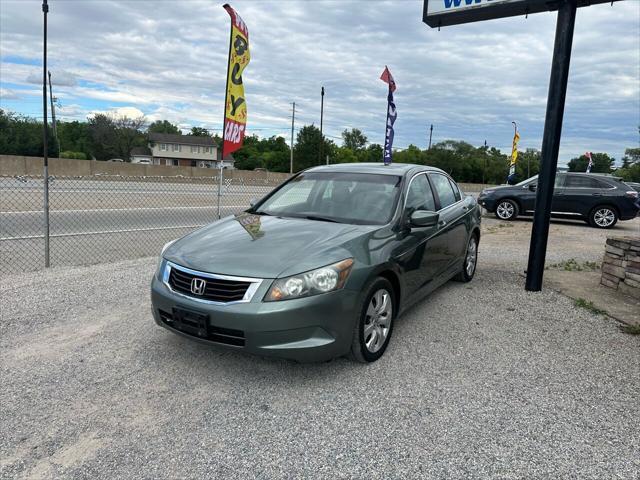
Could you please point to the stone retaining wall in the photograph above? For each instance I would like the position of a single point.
(621, 265)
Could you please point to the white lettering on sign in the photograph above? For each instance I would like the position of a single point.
(446, 6)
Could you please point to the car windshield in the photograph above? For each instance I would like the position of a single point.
(357, 198)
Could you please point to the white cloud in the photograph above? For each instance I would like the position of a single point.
(470, 81)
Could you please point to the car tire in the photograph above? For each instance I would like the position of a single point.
(470, 261)
(603, 216)
(373, 328)
(507, 210)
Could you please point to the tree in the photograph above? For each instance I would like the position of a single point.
(602, 163)
(631, 157)
(128, 135)
(308, 141)
(354, 140)
(115, 136)
(75, 137)
(20, 135)
(199, 132)
(163, 126)
(102, 135)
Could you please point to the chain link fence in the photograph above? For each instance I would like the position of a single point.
(104, 218)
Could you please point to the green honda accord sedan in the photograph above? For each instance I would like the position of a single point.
(323, 265)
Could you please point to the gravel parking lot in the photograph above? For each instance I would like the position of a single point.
(480, 380)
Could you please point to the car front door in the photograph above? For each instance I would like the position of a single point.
(452, 241)
(415, 252)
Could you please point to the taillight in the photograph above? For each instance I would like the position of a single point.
(631, 194)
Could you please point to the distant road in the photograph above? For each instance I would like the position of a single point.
(93, 221)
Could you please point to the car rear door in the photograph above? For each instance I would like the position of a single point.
(580, 194)
(453, 232)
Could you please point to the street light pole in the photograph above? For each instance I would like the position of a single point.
(45, 143)
(430, 135)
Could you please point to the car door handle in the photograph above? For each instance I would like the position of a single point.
(442, 223)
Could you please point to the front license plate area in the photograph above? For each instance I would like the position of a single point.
(193, 323)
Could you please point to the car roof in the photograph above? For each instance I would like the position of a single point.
(594, 174)
(376, 168)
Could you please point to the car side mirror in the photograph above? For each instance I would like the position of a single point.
(423, 218)
(533, 187)
(252, 202)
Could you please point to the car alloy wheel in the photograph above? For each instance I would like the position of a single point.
(604, 217)
(373, 329)
(472, 257)
(506, 210)
(377, 322)
(470, 261)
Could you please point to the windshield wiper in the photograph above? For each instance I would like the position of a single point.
(321, 219)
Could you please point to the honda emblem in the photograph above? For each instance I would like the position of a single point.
(197, 286)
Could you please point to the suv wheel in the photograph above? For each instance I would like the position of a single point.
(373, 328)
(507, 210)
(603, 217)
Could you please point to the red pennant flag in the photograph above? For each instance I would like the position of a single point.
(386, 77)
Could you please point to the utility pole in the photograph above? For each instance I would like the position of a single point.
(53, 115)
(293, 119)
(430, 135)
(45, 10)
(321, 117)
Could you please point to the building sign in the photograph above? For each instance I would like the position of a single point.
(441, 13)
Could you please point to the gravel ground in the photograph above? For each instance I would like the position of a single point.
(480, 380)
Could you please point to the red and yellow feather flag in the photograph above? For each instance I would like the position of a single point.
(235, 110)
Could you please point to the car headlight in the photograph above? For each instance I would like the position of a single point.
(314, 282)
(487, 191)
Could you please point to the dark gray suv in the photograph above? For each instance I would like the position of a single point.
(600, 200)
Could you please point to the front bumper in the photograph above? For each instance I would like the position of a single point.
(310, 329)
(487, 202)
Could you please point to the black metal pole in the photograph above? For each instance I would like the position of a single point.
(430, 135)
(321, 117)
(45, 143)
(551, 142)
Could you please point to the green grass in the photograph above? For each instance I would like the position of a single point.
(572, 265)
(588, 305)
(630, 329)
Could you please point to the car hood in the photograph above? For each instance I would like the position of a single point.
(264, 246)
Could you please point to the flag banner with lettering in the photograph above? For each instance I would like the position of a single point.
(235, 112)
(590, 165)
(511, 179)
(391, 116)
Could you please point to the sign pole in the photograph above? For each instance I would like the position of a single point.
(551, 142)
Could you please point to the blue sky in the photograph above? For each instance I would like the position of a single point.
(167, 60)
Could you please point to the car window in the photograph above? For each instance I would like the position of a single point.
(456, 190)
(579, 181)
(420, 196)
(559, 181)
(444, 190)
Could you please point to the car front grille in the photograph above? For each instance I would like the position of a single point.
(216, 289)
(227, 336)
